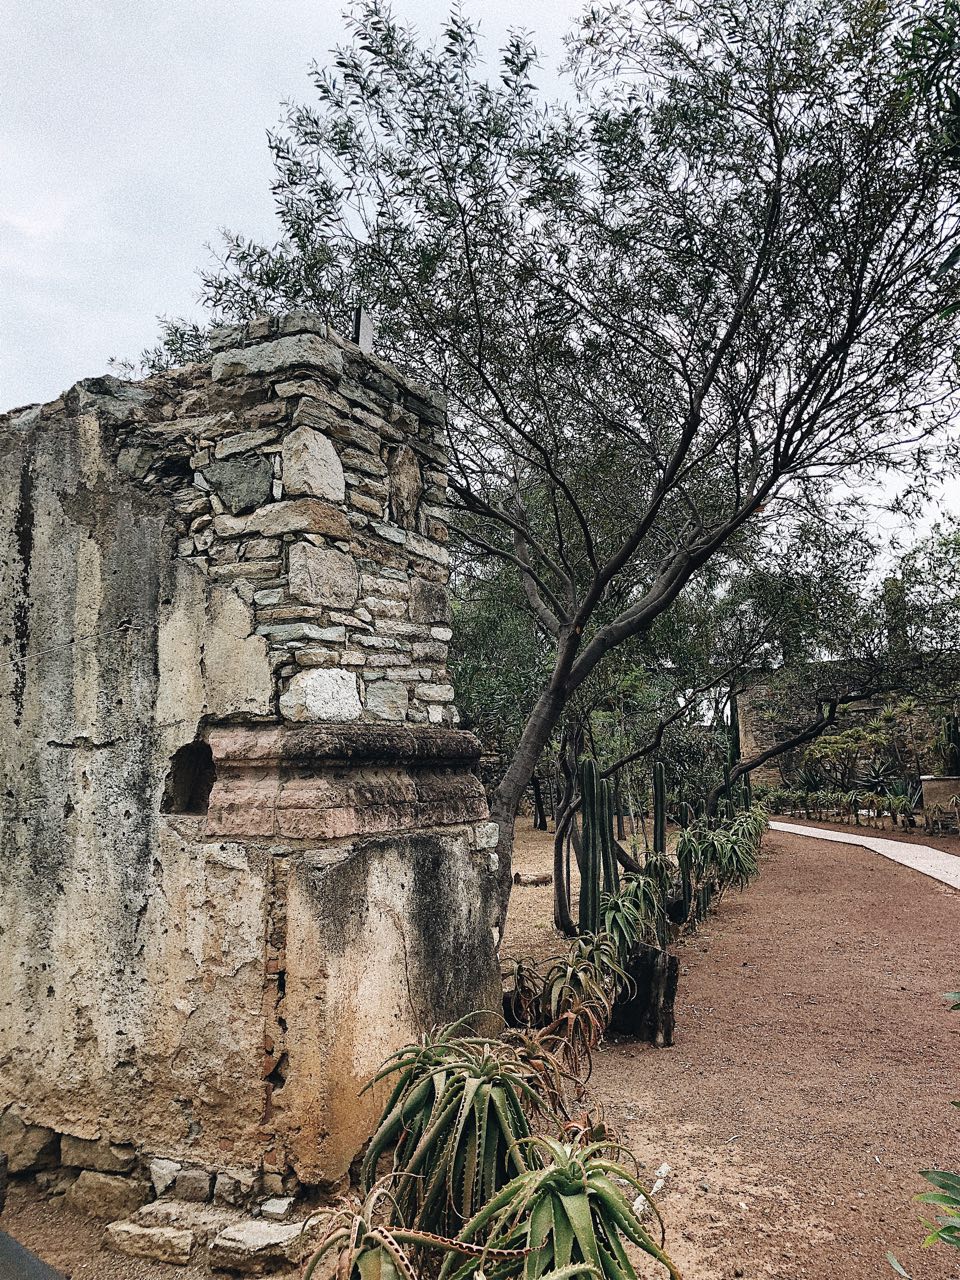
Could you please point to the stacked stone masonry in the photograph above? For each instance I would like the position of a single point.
(244, 853)
(312, 479)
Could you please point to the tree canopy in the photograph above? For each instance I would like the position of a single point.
(670, 313)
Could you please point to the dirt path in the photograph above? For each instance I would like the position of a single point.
(812, 1074)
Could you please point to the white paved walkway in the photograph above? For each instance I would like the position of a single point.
(941, 866)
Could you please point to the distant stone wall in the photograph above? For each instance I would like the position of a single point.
(243, 850)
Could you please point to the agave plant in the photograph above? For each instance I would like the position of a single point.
(457, 1120)
(368, 1249)
(568, 1216)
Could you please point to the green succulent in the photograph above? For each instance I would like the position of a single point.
(568, 1216)
(457, 1121)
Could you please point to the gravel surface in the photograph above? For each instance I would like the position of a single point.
(813, 1069)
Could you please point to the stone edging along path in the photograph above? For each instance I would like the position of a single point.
(941, 866)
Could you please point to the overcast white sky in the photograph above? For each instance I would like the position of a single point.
(129, 133)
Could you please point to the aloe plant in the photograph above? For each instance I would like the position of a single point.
(457, 1121)
(568, 1216)
(630, 917)
(368, 1249)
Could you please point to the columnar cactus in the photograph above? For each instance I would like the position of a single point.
(659, 809)
(598, 869)
(592, 850)
(951, 745)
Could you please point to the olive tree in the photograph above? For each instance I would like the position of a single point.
(687, 302)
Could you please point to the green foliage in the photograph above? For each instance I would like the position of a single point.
(949, 745)
(569, 1216)
(946, 1199)
(945, 1196)
(457, 1122)
(631, 916)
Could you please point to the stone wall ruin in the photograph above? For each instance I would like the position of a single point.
(243, 850)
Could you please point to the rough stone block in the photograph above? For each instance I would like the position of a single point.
(320, 575)
(406, 486)
(166, 1244)
(97, 1153)
(28, 1147)
(163, 1174)
(321, 694)
(303, 515)
(312, 466)
(234, 1186)
(194, 1184)
(241, 483)
(486, 835)
(106, 1195)
(435, 692)
(276, 1208)
(244, 442)
(257, 1247)
(270, 357)
(387, 700)
(429, 602)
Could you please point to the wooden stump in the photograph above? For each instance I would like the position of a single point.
(648, 1014)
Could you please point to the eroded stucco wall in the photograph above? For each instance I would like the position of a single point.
(254, 544)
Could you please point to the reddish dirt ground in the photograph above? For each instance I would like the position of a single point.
(812, 1073)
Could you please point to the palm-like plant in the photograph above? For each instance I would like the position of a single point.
(457, 1120)
(568, 1216)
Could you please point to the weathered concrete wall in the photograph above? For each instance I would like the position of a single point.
(230, 555)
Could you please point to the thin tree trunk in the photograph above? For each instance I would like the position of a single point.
(539, 812)
(506, 798)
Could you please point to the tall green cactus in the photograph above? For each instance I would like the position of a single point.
(659, 808)
(611, 873)
(747, 792)
(598, 869)
(592, 849)
(731, 806)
